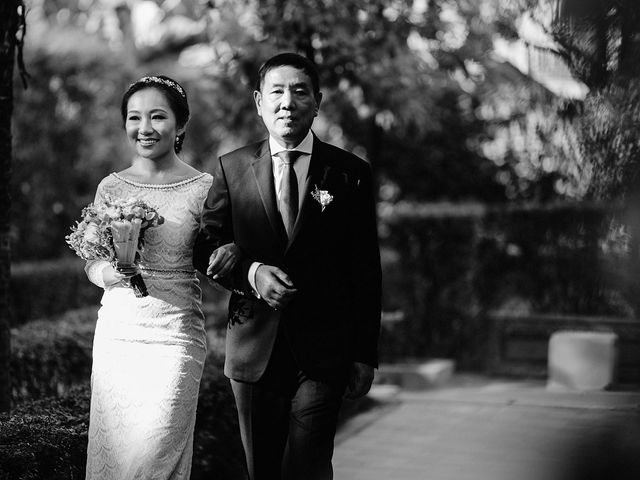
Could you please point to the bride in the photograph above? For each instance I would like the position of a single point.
(148, 353)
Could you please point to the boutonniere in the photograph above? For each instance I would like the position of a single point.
(323, 197)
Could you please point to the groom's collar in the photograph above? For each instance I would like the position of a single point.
(305, 146)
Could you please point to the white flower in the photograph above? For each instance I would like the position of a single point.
(323, 197)
(91, 233)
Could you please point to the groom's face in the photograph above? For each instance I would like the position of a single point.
(287, 104)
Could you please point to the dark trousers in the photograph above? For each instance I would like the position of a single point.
(288, 421)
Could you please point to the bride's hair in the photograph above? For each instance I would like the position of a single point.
(175, 95)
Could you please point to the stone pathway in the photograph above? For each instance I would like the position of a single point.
(491, 430)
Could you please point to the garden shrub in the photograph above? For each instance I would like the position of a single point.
(44, 290)
(45, 436)
(426, 275)
(49, 288)
(49, 357)
(552, 258)
(445, 271)
(52, 351)
(46, 439)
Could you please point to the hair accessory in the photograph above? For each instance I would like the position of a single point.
(162, 81)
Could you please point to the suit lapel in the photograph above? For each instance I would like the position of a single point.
(263, 172)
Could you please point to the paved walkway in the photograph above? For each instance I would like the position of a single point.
(492, 430)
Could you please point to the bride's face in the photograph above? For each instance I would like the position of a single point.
(151, 124)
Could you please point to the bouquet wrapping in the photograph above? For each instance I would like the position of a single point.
(113, 230)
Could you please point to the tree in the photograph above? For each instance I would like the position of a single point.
(12, 28)
(402, 82)
(600, 42)
(412, 87)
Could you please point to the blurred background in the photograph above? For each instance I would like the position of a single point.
(503, 135)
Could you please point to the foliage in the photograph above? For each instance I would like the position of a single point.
(436, 298)
(406, 85)
(53, 334)
(60, 156)
(47, 439)
(31, 301)
(610, 137)
(446, 267)
(550, 261)
(46, 435)
(49, 288)
(402, 83)
(534, 133)
(599, 41)
(51, 356)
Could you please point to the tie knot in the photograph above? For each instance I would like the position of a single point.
(288, 156)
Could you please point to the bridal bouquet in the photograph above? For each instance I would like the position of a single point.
(114, 231)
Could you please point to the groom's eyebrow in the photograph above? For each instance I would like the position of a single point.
(295, 85)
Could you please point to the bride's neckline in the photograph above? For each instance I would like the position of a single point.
(158, 185)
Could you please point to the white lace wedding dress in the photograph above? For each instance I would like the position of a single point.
(148, 353)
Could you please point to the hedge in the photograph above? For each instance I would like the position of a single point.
(44, 290)
(446, 266)
(49, 288)
(47, 439)
(46, 435)
(50, 357)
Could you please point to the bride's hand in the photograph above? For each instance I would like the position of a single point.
(223, 259)
(111, 276)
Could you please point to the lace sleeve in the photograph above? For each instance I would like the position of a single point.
(94, 268)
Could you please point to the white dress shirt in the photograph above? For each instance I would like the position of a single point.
(301, 167)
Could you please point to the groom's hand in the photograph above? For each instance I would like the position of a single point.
(274, 286)
(360, 381)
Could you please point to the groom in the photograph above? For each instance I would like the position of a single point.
(304, 314)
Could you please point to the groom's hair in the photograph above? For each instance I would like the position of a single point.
(294, 60)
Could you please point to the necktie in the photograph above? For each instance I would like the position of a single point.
(288, 201)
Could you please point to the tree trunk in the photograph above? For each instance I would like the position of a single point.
(11, 17)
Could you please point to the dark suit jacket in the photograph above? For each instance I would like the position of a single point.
(332, 258)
